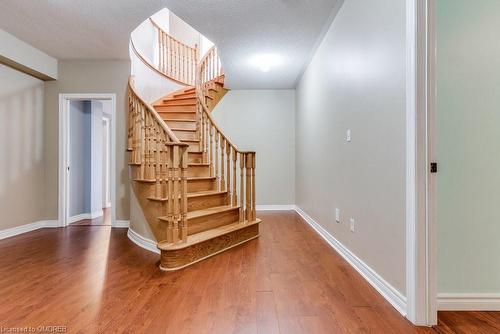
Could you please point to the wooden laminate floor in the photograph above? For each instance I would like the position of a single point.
(92, 279)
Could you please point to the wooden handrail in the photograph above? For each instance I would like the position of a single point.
(158, 157)
(176, 60)
(209, 70)
(152, 67)
(156, 25)
(171, 135)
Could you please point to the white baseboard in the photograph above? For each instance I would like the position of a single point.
(280, 207)
(51, 223)
(86, 216)
(11, 232)
(469, 302)
(142, 242)
(393, 296)
(96, 214)
(121, 224)
(78, 218)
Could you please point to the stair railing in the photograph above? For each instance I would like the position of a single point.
(159, 158)
(175, 59)
(224, 157)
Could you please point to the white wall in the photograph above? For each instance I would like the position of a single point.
(356, 81)
(468, 146)
(162, 18)
(264, 121)
(22, 175)
(205, 45)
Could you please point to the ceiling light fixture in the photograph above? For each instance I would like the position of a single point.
(265, 61)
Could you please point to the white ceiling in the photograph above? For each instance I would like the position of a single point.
(100, 29)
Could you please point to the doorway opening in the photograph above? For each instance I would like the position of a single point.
(87, 159)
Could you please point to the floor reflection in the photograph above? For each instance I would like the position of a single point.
(104, 220)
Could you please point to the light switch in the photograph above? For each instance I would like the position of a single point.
(348, 136)
(352, 225)
(337, 215)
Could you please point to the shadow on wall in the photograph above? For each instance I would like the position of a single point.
(21, 156)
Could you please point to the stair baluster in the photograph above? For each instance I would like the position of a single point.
(217, 175)
(211, 149)
(234, 194)
(242, 187)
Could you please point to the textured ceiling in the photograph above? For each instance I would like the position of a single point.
(100, 29)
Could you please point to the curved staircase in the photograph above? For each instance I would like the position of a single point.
(195, 188)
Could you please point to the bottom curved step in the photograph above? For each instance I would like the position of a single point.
(205, 244)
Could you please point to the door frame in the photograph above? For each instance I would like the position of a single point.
(421, 254)
(64, 109)
(106, 203)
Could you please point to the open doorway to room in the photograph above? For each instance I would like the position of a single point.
(86, 173)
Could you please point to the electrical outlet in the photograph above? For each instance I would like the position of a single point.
(348, 135)
(337, 215)
(352, 224)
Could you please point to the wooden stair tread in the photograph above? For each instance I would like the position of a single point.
(207, 235)
(180, 104)
(179, 98)
(206, 164)
(176, 112)
(145, 180)
(201, 178)
(183, 130)
(210, 211)
(205, 193)
(179, 120)
(206, 212)
(191, 195)
(192, 94)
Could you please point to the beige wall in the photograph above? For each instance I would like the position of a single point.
(22, 186)
(109, 76)
(264, 121)
(468, 146)
(356, 81)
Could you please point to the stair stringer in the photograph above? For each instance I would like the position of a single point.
(139, 224)
(151, 210)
